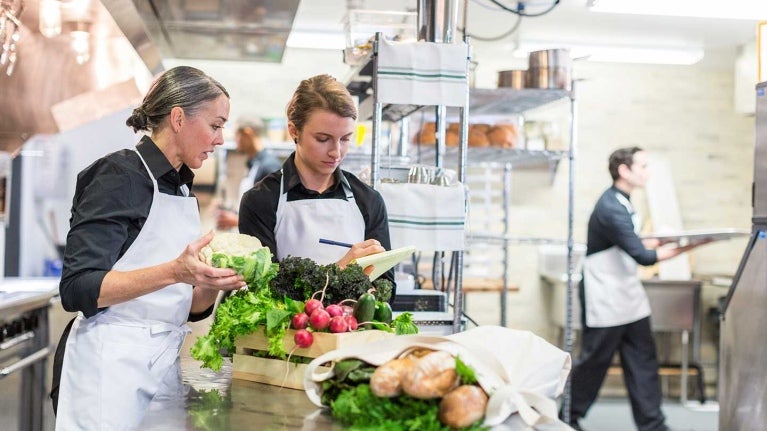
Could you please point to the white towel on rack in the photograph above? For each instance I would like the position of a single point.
(422, 73)
(426, 216)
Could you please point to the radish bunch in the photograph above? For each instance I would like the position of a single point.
(335, 318)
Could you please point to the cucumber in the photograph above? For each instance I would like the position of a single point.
(365, 308)
(383, 312)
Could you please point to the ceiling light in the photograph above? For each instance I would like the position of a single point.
(75, 16)
(644, 55)
(50, 18)
(81, 45)
(619, 54)
(316, 40)
(731, 9)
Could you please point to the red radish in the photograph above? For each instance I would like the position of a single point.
(338, 324)
(319, 319)
(300, 321)
(351, 321)
(348, 310)
(311, 305)
(303, 338)
(334, 310)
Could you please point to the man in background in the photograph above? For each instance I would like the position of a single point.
(616, 310)
(261, 162)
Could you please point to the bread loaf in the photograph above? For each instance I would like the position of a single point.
(477, 137)
(433, 376)
(501, 136)
(386, 381)
(480, 127)
(463, 406)
(452, 139)
(427, 134)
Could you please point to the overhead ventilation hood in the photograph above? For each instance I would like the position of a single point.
(240, 30)
(47, 76)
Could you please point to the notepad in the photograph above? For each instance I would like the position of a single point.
(384, 261)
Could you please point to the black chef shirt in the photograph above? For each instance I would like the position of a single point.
(111, 203)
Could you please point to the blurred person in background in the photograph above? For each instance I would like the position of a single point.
(616, 310)
(260, 163)
(131, 266)
(311, 197)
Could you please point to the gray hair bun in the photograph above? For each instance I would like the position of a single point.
(138, 120)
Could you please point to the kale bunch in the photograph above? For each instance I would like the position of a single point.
(297, 278)
(347, 283)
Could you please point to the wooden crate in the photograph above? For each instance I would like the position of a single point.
(276, 372)
(245, 366)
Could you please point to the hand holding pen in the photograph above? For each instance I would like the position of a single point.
(360, 249)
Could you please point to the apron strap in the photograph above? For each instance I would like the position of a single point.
(344, 182)
(184, 188)
(146, 166)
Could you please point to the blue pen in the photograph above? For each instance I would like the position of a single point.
(331, 242)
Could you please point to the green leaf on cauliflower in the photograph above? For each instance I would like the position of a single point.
(246, 310)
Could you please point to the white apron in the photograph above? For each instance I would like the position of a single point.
(115, 361)
(614, 294)
(247, 182)
(300, 225)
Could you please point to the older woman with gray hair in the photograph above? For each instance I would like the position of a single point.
(131, 266)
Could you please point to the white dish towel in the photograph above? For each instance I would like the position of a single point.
(429, 217)
(422, 73)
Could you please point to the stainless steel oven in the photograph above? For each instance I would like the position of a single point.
(24, 351)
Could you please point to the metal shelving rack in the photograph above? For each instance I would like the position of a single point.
(363, 84)
(512, 101)
(478, 101)
(506, 101)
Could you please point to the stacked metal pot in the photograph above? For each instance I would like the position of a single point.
(548, 69)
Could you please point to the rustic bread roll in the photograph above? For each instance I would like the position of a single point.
(427, 134)
(454, 127)
(386, 381)
(477, 138)
(425, 137)
(481, 127)
(452, 139)
(463, 406)
(418, 352)
(500, 136)
(512, 128)
(433, 376)
(429, 126)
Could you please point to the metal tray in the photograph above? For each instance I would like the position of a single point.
(694, 236)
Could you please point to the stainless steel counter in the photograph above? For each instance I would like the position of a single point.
(208, 400)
